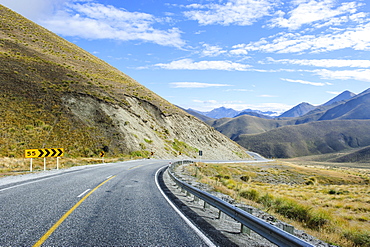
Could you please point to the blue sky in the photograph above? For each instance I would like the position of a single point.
(258, 54)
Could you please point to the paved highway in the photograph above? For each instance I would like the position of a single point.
(115, 204)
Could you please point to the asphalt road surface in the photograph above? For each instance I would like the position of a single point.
(115, 204)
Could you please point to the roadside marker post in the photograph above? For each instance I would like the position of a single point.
(200, 155)
(102, 154)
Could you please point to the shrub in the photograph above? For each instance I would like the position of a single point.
(246, 178)
(291, 209)
(251, 194)
(317, 218)
(267, 200)
(360, 238)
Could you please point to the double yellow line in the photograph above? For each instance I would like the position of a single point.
(57, 224)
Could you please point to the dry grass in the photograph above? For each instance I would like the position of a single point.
(332, 204)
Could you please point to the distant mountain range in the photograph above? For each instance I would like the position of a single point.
(223, 112)
(341, 123)
(297, 111)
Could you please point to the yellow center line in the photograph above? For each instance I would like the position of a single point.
(57, 224)
(135, 167)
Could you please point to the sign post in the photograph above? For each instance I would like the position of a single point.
(43, 153)
(102, 154)
(200, 155)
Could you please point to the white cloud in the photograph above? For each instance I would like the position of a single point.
(267, 96)
(239, 90)
(97, 21)
(325, 63)
(335, 93)
(196, 85)
(359, 74)
(206, 101)
(357, 38)
(310, 11)
(204, 65)
(306, 82)
(232, 12)
(212, 50)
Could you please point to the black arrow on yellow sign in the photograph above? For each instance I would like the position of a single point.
(46, 152)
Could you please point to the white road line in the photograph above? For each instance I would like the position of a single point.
(32, 182)
(192, 226)
(83, 193)
(110, 176)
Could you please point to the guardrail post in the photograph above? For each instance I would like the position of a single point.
(243, 228)
(288, 228)
(205, 205)
(188, 193)
(221, 216)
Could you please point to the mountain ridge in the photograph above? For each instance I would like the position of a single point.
(296, 111)
(295, 136)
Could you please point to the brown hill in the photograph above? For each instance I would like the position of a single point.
(246, 124)
(307, 139)
(55, 94)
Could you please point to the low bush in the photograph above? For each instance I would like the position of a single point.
(250, 194)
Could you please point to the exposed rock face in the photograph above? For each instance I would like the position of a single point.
(143, 127)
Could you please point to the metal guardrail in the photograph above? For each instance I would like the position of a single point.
(266, 230)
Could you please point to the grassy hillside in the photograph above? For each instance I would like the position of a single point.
(38, 69)
(358, 156)
(311, 138)
(55, 94)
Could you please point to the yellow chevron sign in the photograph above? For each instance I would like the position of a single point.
(46, 152)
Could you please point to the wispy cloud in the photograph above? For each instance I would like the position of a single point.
(359, 74)
(239, 90)
(324, 63)
(267, 96)
(91, 20)
(306, 82)
(212, 50)
(355, 38)
(196, 85)
(189, 64)
(233, 12)
(332, 92)
(311, 11)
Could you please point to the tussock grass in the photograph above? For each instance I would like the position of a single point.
(332, 204)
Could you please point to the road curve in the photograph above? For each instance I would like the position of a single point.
(114, 204)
